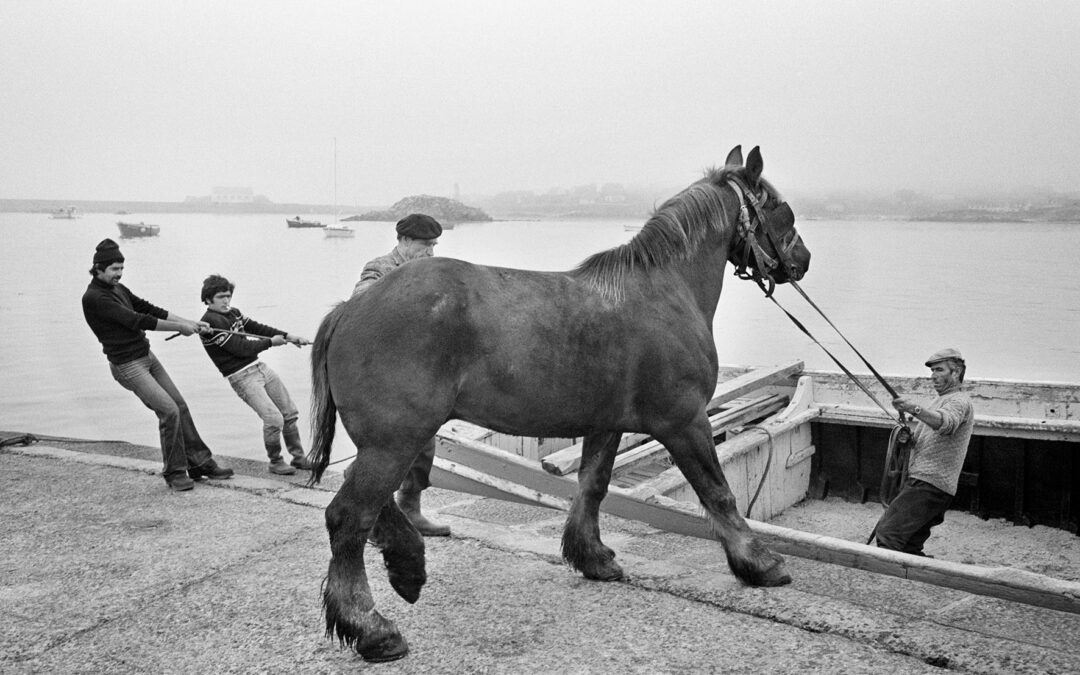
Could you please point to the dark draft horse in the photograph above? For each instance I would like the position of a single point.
(622, 343)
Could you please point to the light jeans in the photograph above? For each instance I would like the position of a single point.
(260, 387)
(181, 446)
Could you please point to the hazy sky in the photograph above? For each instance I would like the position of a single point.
(158, 100)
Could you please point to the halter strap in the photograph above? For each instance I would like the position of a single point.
(765, 263)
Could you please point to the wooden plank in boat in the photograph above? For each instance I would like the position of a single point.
(720, 423)
(568, 460)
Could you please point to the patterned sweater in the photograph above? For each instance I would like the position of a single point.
(231, 353)
(376, 269)
(937, 456)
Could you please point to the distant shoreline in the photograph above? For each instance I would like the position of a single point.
(1051, 215)
(46, 206)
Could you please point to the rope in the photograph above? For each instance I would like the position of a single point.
(892, 392)
(339, 461)
(895, 472)
(800, 326)
(768, 464)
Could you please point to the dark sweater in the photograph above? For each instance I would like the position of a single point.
(230, 352)
(119, 319)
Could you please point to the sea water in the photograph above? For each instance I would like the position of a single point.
(1006, 294)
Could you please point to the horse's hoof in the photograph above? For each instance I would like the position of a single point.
(610, 571)
(776, 575)
(390, 648)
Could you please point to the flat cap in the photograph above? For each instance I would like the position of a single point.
(419, 226)
(944, 354)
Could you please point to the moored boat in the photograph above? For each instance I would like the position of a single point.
(339, 231)
(128, 230)
(65, 213)
(301, 222)
(784, 435)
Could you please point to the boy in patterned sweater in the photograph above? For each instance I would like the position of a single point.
(234, 344)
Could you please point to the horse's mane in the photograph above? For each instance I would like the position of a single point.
(672, 232)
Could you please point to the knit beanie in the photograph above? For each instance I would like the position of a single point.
(107, 253)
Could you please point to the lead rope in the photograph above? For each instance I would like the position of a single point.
(896, 457)
(800, 326)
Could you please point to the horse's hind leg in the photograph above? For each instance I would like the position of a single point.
(581, 545)
(350, 609)
(749, 559)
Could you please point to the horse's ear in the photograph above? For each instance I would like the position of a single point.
(754, 165)
(734, 158)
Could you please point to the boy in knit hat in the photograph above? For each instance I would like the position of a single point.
(119, 319)
(234, 344)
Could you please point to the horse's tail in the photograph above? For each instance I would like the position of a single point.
(323, 408)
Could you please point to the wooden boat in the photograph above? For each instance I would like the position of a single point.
(65, 213)
(128, 230)
(339, 231)
(784, 434)
(300, 222)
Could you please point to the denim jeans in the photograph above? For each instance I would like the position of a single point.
(905, 526)
(260, 387)
(181, 446)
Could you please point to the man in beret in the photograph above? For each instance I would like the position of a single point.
(417, 235)
(119, 319)
(939, 445)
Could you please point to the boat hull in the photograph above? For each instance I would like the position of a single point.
(130, 230)
(301, 223)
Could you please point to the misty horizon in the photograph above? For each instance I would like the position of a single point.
(117, 101)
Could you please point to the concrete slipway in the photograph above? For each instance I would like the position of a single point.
(104, 570)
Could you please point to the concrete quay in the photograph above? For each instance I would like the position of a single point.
(106, 571)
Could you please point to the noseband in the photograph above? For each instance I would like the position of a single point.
(749, 229)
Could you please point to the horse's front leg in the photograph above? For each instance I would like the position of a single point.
(349, 606)
(694, 453)
(581, 545)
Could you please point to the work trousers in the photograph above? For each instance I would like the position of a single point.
(181, 445)
(917, 508)
(261, 388)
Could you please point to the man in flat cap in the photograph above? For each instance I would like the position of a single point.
(939, 445)
(417, 235)
(119, 319)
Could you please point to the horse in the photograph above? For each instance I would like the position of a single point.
(622, 343)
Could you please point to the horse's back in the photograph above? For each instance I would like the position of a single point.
(518, 350)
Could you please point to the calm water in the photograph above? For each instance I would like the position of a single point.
(1006, 294)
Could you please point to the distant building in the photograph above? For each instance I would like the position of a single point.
(232, 195)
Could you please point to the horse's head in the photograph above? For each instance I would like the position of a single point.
(767, 240)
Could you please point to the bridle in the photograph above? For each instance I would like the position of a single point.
(749, 229)
(764, 265)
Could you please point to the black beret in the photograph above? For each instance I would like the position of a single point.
(108, 252)
(419, 226)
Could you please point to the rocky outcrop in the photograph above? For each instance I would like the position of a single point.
(443, 209)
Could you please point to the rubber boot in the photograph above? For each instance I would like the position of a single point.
(409, 503)
(296, 448)
(277, 464)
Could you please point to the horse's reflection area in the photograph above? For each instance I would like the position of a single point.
(622, 343)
